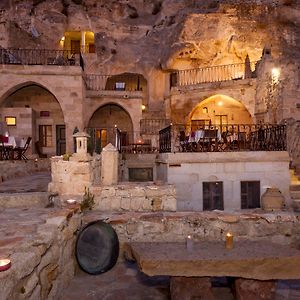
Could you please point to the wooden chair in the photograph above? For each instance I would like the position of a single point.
(20, 151)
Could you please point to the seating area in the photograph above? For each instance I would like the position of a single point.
(223, 138)
(13, 148)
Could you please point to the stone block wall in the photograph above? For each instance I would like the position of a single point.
(17, 168)
(281, 227)
(135, 197)
(43, 266)
(73, 176)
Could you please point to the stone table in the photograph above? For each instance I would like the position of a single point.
(191, 269)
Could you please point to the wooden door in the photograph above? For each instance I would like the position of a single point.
(60, 139)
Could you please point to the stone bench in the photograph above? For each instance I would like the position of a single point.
(256, 263)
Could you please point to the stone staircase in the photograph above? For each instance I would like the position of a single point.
(295, 190)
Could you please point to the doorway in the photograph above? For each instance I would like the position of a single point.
(60, 139)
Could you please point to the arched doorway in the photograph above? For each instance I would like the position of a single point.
(38, 114)
(107, 122)
(220, 110)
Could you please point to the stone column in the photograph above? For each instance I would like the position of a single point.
(109, 165)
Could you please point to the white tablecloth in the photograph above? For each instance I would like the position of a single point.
(15, 142)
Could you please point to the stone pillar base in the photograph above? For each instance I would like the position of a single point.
(186, 288)
(249, 289)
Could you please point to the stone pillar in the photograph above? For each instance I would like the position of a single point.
(109, 165)
(83, 41)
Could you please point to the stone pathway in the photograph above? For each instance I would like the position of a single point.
(37, 182)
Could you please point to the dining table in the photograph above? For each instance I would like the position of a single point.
(10, 143)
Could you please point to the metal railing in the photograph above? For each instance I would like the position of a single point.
(124, 141)
(223, 138)
(121, 82)
(38, 57)
(213, 74)
(153, 126)
(95, 82)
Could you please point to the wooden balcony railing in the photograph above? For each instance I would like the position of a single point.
(39, 57)
(223, 138)
(213, 74)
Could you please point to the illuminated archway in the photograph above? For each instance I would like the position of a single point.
(220, 110)
(105, 121)
(38, 114)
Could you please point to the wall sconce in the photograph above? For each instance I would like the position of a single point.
(220, 103)
(143, 107)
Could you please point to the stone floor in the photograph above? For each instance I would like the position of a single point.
(124, 281)
(37, 182)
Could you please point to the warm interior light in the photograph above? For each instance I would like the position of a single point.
(205, 110)
(275, 72)
(220, 103)
(71, 201)
(5, 264)
(143, 107)
(11, 121)
(62, 39)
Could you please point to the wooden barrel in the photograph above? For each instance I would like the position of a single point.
(97, 248)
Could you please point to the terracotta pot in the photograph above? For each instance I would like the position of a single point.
(272, 200)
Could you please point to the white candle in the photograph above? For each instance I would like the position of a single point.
(229, 241)
(189, 243)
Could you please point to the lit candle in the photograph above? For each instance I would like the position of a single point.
(229, 241)
(189, 243)
(71, 201)
(5, 264)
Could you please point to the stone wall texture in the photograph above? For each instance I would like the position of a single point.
(44, 264)
(135, 197)
(17, 168)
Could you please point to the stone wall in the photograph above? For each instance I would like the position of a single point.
(73, 176)
(135, 197)
(281, 227)
(17, 168)
(44, 265)
(188, 171)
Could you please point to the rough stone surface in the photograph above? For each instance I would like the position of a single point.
(254, 260)
(246, 289)
(184, 288)
(135, 197)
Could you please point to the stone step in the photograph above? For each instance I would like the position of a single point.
(294, 187)
(23, 200)
(295, 194)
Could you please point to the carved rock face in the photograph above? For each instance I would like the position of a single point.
(167, 33)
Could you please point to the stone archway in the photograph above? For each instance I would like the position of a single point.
(38, 114)
(105, 122)
(220, 110)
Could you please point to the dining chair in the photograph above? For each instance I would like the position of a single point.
(20, 151)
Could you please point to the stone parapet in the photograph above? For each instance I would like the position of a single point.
(254, 225)
(135, 197)
(16, 168)
(42, 254)
(73, 176)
